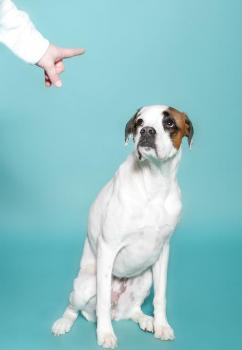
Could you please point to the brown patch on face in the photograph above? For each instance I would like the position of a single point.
(183, 126)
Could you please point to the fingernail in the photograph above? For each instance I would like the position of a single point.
(58, 83)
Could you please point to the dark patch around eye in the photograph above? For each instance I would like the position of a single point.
(166, 114)
(169, 123)
(138, 122)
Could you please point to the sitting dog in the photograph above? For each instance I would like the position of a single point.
(129, 229)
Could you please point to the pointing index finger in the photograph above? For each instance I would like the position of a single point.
(66, 53)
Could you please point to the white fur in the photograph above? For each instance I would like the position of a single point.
(127, 247)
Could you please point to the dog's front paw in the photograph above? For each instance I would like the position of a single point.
(164, 332)
(61, 326)
(107, 340)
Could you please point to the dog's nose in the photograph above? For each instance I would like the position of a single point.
(147, 130)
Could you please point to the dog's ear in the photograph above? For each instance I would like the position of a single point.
(130, 126)
(189, 131)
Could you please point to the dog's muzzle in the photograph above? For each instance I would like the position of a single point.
(147, 138)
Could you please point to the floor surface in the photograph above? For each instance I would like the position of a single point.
(204, 293)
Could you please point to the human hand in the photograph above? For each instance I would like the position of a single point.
(52, 63)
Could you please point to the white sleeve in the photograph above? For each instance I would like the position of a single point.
(18, 33)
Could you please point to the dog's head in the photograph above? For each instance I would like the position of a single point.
(157, 131)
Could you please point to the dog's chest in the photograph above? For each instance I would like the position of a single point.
(143, 241)
(135, 213)
(141, 251)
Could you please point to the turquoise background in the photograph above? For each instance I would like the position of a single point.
(58, 147)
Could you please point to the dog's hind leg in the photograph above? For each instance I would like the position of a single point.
(145, 322)
(64, 324)
(82, 296)
(130, 301)
(139, 291)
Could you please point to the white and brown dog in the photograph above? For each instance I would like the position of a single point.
(130, 225)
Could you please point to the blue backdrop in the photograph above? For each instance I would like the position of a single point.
(58, 147)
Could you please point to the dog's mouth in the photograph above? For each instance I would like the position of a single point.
(146, 142)
(146, 147)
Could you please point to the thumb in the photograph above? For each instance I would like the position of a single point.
(66, 53)
(53, 76)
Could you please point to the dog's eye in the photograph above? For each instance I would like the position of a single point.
(169, 123)
(139, 122)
